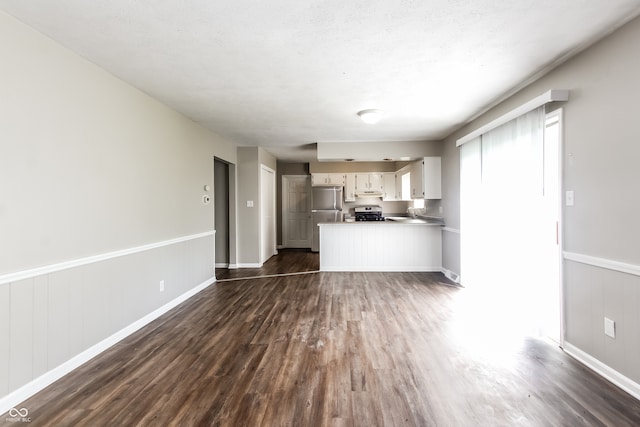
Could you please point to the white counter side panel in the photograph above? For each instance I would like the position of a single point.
(380, 247)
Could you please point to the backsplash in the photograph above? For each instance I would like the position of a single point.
(391, 208)
(387, 207)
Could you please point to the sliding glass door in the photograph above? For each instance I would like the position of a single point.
(504, 221)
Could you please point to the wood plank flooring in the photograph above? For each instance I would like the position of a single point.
(329, 349)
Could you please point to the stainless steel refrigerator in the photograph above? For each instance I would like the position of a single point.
(326, 206)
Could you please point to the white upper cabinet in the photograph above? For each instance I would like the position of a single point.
(368, 183)
(350, 187)
(390, 187)
(426, 178)
(432, 178)
(327, 179)
(416, 180)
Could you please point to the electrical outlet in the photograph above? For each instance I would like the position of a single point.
(249, 203)
(161, 285)
(609, 327)
(569, 198)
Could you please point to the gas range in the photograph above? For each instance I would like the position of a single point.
(368, 213)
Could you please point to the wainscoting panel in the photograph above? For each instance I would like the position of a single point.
(5, 333)
(592, 293)
(451, 250)
(46, 321)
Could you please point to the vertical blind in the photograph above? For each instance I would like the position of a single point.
(501, 200)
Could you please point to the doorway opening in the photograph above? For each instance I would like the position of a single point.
(221, 214)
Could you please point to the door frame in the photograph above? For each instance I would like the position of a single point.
(272, 225)
(224, 209)
(232, 235)
(557, 116)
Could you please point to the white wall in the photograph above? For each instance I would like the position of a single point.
(89, 166)
(600, 161)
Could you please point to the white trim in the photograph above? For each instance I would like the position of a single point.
(451, 230)
(273, 224)
(52, 268)
(222, 265)
(621, 267)
(384, 269)
(556, 117)
(610, 374)
(454, 277)
(248, 265)
(545, 98)
(17, 396)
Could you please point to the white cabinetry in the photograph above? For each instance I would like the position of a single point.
(369, 182)
(350, 187)
(390, 187)
(416, 180)
(426, 178)
(327, 179)
(432, 178)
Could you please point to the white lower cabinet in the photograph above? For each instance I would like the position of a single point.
(380, 246)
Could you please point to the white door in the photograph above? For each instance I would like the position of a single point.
(296, 211)
(267, 213)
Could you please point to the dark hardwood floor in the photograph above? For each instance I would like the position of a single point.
(321, 349)
(287, 261)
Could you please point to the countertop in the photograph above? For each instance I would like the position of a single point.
(394, 220)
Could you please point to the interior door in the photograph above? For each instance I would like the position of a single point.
(296, 209)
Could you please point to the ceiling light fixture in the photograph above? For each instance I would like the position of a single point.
(371, 116)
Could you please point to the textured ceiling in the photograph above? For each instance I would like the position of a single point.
(284, 74)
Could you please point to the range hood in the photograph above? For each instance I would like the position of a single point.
(369, 193)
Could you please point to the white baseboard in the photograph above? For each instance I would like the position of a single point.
(454, 277)
(222, 265)
(249, 265)
(615, 377)
(451, 230)
(383, 268)
(14, 398)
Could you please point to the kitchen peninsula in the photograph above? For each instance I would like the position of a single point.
(401, 245)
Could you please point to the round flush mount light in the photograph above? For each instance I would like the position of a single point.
(371, 116)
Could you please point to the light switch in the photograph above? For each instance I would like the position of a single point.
(609, 327)
(249, 203)
(569, 198)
